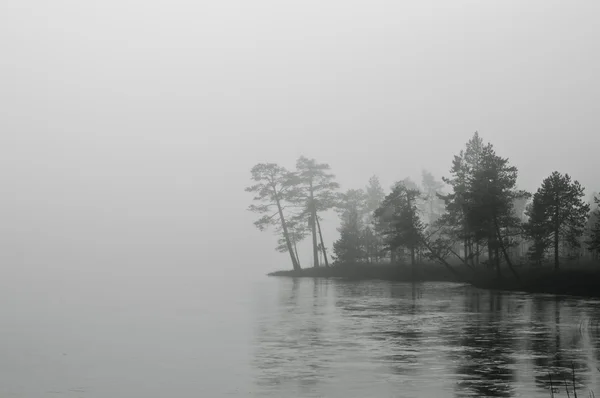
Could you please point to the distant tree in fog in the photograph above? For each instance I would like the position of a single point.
(316, 188)
(274, 187)
(407, 183)
(351, 201)
(348, 249)
(557, 216)
(594, 228)
(372, 240)
(375, 195)
(352, 209)
(431, 189)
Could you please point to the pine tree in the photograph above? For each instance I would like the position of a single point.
(534, 229)
(317, 187)
(558, 215)
(274, 187)
(297, 232)
(593, 242)
(375, 195)
(348, 249)
(373, 240)
(371, 244)
(491, 199)
(431, 191)
(480, 208)
(456, 219)
(399, 220)
(352, 207)
(353, 200)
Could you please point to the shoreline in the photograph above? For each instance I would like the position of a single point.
(578, 282)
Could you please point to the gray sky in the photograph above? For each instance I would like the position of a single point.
(128, 128)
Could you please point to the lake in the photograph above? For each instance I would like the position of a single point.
(98, 336)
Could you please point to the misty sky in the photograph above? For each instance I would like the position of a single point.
(128, 128)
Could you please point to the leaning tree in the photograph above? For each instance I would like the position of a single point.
(274, 187)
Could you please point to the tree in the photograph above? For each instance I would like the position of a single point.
(399, 219)
(297, 231)
(374, 196)
(350, 202)
(371, 244)
(372, 240)
(594, 226)
(464, 167)
(274, 186)
(519, 209)
(492, 198)
(534, 230)
(407, 183)
(348, 249)
(558, 215)
(351, 207)
(432, 190)
(317, 187)
(481, 207)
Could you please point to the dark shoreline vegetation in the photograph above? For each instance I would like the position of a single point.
(579, 281)
(475, 226)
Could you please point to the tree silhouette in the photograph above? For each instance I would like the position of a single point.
(558, 215)
(594, 222)
(316, 187)
(274, 186)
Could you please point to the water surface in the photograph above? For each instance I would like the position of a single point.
(280, 337)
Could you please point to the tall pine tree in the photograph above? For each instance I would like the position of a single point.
(317, 186)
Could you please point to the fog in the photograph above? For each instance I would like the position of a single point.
(128, 128)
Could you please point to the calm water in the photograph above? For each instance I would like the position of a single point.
(184, 337)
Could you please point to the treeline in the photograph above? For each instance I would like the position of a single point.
(483, 221)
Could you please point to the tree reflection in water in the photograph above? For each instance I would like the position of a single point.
(340, 338)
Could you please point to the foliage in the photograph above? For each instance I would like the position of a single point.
(481, 208)
(483, 219)
(557, 216)
(374, 196)
(432, 189)
(352, 201)
(398, 219)
(349, 248)
(274, 186)
(316, 193)
(297, 232)
(594, 227)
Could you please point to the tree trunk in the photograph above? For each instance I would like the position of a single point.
(501, 243)
(322, 243)
(412, 262)
(497, 259)
(442, 260)
(313, 227)
(286, 236)
(296, 251)
(470, 257)
(556, 232)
